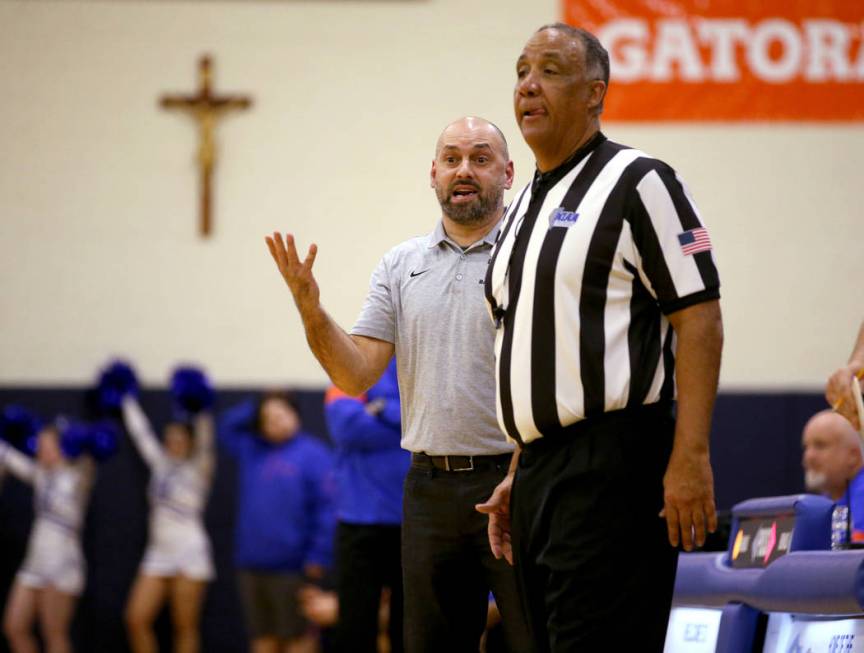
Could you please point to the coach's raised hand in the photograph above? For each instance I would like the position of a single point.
(297, 275)
(353, 363)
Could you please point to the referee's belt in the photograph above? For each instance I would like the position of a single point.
(461, 463)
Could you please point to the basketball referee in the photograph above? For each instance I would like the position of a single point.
(605, 293)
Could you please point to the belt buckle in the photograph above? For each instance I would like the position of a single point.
(469, 468)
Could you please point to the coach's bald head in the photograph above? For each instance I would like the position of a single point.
(470, 172)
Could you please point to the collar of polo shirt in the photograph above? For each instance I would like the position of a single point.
(439, 235)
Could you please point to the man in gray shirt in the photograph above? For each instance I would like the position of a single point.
(426, 304)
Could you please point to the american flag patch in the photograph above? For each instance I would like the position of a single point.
(694, 240)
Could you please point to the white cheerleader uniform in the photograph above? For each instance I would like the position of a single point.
(178, 544)
(54, 555)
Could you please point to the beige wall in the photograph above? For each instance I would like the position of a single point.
(98, 247)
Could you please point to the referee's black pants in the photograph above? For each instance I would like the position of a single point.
(595, 567)
(448, 568)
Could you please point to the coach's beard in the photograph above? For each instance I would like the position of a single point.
(475, 212)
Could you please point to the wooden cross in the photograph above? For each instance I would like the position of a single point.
(206, 107)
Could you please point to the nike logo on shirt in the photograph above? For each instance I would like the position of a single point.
(417, 274)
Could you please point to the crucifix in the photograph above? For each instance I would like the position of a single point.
(206, 107)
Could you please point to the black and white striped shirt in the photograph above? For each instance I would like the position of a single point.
(591, 257)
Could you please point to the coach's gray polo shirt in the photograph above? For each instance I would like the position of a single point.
(426, 297)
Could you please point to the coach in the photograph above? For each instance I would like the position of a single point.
(425, 303)
(605, 292)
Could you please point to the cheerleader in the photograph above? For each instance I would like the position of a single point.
(177, 564)
(52, 575)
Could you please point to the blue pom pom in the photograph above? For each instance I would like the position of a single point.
(20, 428)
(31, 445)
(191, 390)
(102, 440)
(74, 437)
(115, 381)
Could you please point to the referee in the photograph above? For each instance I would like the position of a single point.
(605, 292)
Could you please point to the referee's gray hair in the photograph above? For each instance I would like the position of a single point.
(596, 56)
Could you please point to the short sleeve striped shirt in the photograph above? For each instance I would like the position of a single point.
(591, 258)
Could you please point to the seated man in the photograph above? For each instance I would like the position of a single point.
(834, 464)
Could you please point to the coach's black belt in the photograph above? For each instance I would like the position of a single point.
(461, 463)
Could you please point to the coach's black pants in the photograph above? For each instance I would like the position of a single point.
(367, 561)
(596, 570)
(448, 568)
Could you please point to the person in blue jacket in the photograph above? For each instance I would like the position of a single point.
(370, 473)
(285, 518)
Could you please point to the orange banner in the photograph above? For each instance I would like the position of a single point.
(729, 60)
